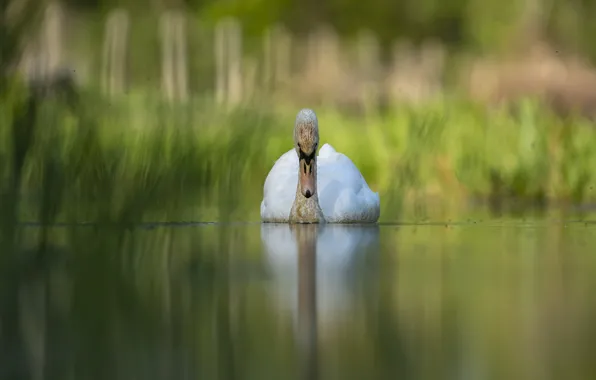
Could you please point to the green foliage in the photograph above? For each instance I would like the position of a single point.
(136, 152)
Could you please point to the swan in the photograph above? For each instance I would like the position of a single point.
(331, 188)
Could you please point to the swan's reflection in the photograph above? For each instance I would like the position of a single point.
(340, 255)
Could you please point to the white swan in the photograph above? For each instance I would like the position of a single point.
(331, 188)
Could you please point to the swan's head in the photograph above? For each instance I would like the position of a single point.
(306, 141)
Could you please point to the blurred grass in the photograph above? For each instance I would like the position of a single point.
(105, 159)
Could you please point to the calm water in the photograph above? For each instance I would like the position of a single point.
(507, 300)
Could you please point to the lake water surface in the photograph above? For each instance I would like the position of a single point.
(486, 300)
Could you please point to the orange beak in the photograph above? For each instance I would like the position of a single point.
(307, 178)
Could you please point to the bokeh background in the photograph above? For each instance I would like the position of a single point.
(434, 101)
(135, 138)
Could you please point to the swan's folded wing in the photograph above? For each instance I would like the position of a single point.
(344, 194)
(280, 188)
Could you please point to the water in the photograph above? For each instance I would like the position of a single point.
(489, 300)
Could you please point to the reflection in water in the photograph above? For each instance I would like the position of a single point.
(313, 265)
(306, 242)
(344, 255)
(300, 302)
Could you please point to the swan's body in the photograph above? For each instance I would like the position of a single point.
(344, 195)
(339, 190)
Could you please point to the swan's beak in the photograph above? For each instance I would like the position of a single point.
(307, 178)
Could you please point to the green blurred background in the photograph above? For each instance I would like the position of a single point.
(435, 101)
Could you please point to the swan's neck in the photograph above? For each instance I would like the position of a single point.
(307, 210)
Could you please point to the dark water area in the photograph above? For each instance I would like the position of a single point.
(483, 300)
